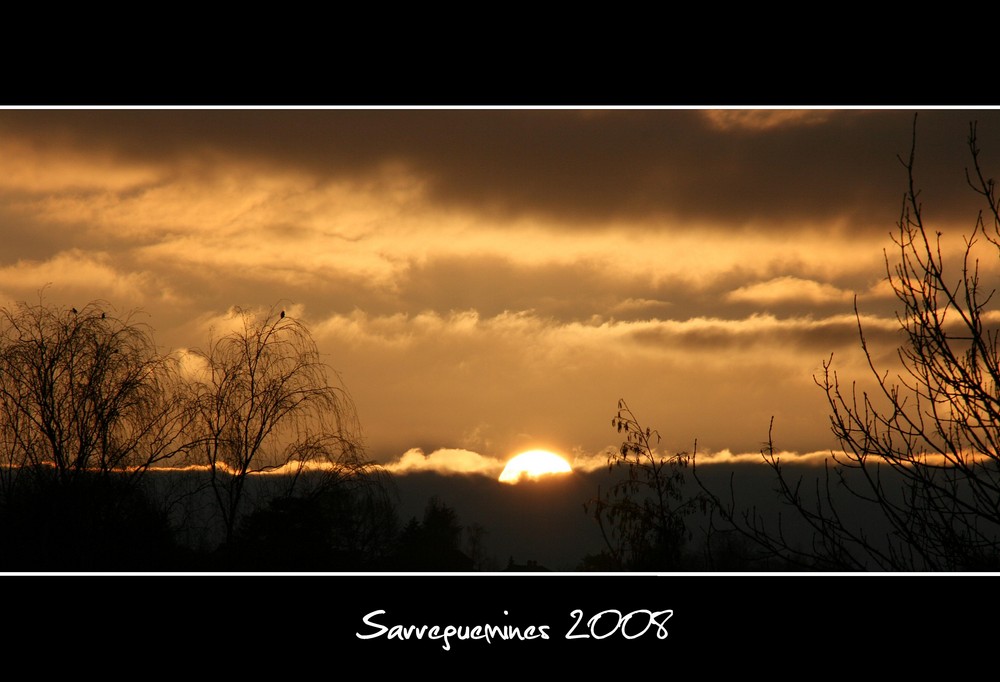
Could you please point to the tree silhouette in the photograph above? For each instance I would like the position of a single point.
(332, 528)
(87, 406)
(267, 404)
(84, 392)
(642, 515)
(433, 544)
(922, 450)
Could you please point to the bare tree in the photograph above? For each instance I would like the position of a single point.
(87, 406)
(923, 449)
(82, 391)
(266, 404)
(642, 515)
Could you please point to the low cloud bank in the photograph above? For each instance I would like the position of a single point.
(446, 461)
(458, 461)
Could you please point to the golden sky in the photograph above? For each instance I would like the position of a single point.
(490, 281)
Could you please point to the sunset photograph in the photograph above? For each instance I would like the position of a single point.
(485, 340)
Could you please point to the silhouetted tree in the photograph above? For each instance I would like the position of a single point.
(433, 544)
(642, 515)
(82, 392)
(267, 404)
(87, 405)
(476, 543)
(332, 528)
(922, 451)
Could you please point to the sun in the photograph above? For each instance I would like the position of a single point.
(534, 464)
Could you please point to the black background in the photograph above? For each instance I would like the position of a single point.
(294, 627)
(306, 625)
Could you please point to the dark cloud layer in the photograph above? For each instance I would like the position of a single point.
(578, 168)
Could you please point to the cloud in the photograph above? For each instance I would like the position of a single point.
(463, 461)
(192, 365)
(576, 170)
(446, 461)
(85, 275)
(817, 458)
(638, 306)
(546, 342)
(37, 166)
(236, 318)
(765, 119)
(783, 289)
(750, 334)
(598, 461)
(585, 463)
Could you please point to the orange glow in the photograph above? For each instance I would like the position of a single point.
(534, 464)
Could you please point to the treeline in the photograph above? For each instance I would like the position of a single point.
(244, 455)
